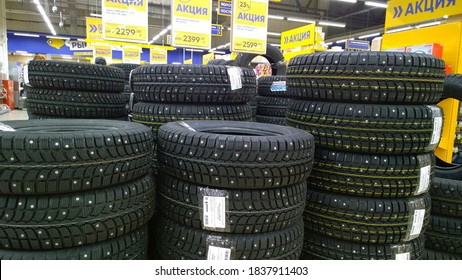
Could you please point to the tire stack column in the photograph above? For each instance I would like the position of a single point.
(272, 100)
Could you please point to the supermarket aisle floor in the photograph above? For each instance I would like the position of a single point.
(14, 115)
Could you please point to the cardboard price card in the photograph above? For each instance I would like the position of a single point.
(158, 56)
(103, 51)
(125, 20)
(192, 23)
(131, 55)
(249, 26)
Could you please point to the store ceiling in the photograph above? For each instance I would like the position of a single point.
(23, 15)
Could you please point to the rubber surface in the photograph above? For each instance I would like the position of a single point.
(438, 255)
(444, 234)
(177, 242)
(372, 175)
(191, 83)
(367, 77)
(249, 211)
(273, 55)
(59, 156)
(50, 74)
(362, 219)
(80, 218)
(446, 197)
(266, 86)
(132, 246)
(272, 106)
(127, 67)
(235, 154)
(321, 247)
(271, 120)
(381, 129)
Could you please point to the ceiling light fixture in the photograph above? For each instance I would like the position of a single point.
(369, 35)
(329, 43)
(428, 24)
(349, 1)
(376, 4)
(59, 37)
(273, 34)
(300, 20)
(161, 33)
(26, 35)
(399, 29)
(45, 17)
(275, 17)
(341, 41)
(331, 23)
(218, 52)
(96, 15)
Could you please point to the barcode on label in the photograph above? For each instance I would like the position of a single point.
(417, 222)
(214, 212)
(218, 253)
(403, 257)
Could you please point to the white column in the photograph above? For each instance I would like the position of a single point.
(3, 43)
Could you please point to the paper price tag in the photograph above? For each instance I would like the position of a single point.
(279, 86)
(403, 257)
(424, 182)
(218, 254)
(4, 127)
(437, 125)
(235, 78)
(214, 214)
(26, 75)
(417, 222)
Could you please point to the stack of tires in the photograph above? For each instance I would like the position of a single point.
(272, 100)
(230, 190)
(58, 89)
(75, 189)
(375, 131)
(127, 68)
(444, 234)
(168, 93)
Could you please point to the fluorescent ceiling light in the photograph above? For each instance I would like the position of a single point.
(66, 56)
(95, 15)
(369, 35)
(300, 20)
(274, 34)
(275, 45)
(45, 17)
(341, 41)
(330, 23)
(58, 37)
(376, 4)
(349, 1)
(176, 63)
(21, 52)
(191, 50)
(399, 29)
(446, 16)
(212, 50)
(330, 43)
(161, 33)
(428, 24)
(25, 54)
(26, 35)
(80, 40)
(275, 17)
(218, 52)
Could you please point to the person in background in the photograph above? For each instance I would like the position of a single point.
(100, 60)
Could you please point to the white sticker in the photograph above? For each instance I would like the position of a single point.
(437, 125)
(279, 86)
(234, 74)
(4, 127)
(187, 126)
(403, 257)
(424, 182)
(214, 212)
(417, 222)
(26, 74)
(218, 254)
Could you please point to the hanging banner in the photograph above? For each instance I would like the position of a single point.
(405, 12)
(158, 56)
(103, 51)
(191, 23)
(94, 28)
(298, 37)
(249, 26)
(125, 20)
(188, 61)
(131, 55)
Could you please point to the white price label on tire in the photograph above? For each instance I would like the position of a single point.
(235, 78)
(403, 257)
(437, 125)
(214, 212)
(424, 182)
(417, 222)
(26, 74)
(218, 254)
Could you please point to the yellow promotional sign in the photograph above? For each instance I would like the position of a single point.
(104, 51)
(131, 55)
(192, 23)
(94, 28)
(405, 12)
(125, 20)
(188, 61)
(207, 57)
(298, 37)
(249, 26)
(158, 56)
(83, 53)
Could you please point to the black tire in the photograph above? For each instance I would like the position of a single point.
(438, 255)
(178, 242)
(271, 120)
(369, 175)
(75, 76)
(235, 154)
(266, 86)
(321, 247)
(72, 104)
(367, 77)
(446, 197)
(191, 84)
(127, 67)
(273, 55)
(217, 62)
(43, 117)
(448, 171)
(444, 234)
(367, 220)
(132, 246)
(453, 87)
(249, 211)
(156, 115)
(76, 219)
(60, 156)
(380, 129)
(272, 106)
